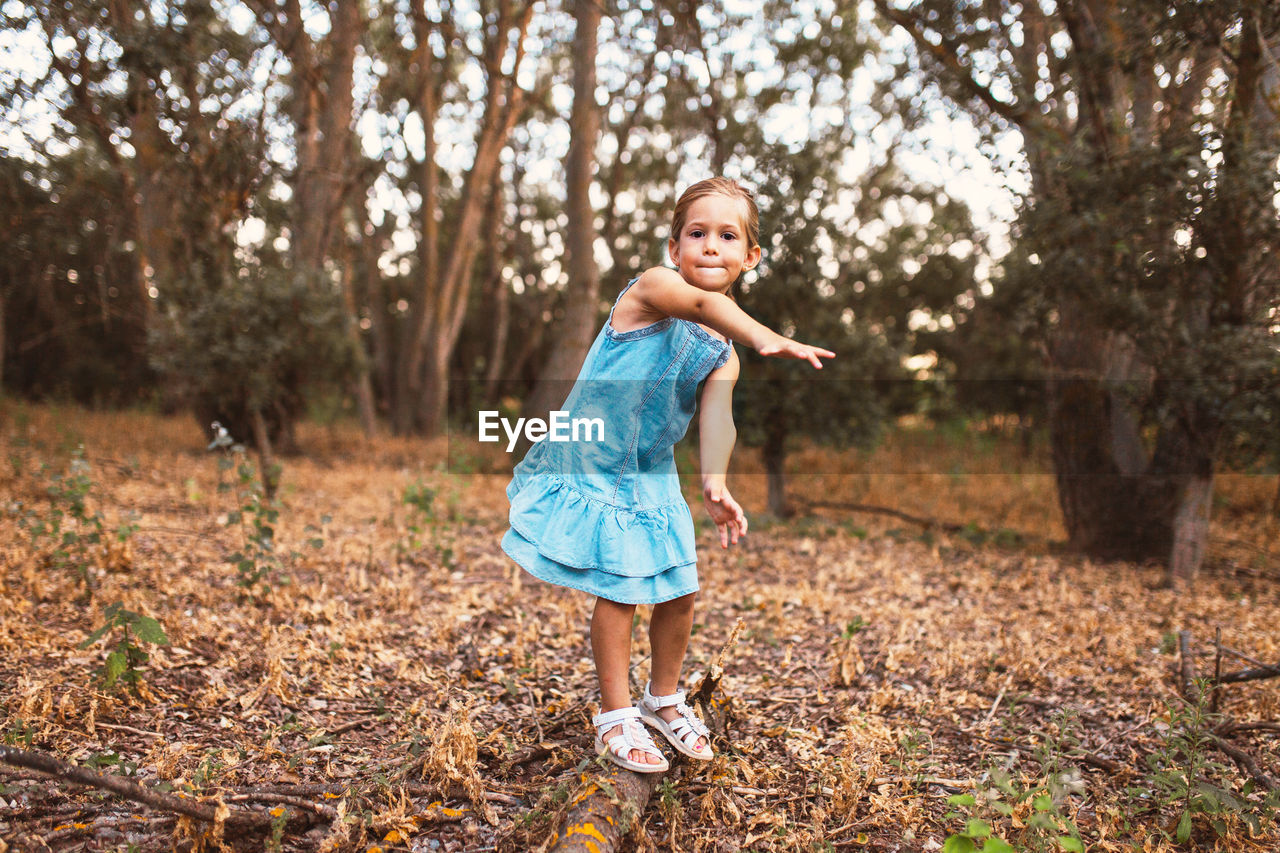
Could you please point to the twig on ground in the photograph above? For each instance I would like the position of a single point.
(1188, 666)
(320, 809)
(949, 527)
(1246, 762)
(59, 769)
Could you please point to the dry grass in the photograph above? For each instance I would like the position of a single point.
(442, 703)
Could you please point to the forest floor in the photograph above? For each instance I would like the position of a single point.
(394, 682)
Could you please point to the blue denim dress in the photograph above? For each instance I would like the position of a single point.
(604, 513)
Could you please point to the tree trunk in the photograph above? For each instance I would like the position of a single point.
(2, 341)
(361, 384)
(575, 333)
(266, 459)
(436, 333)
(775, 458)
(1190, 530)
(323, 96)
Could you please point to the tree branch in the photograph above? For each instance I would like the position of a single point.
(946, 54)
(216, 813)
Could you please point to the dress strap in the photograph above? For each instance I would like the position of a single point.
(609, 322)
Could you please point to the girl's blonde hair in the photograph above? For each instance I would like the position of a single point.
(717, 186)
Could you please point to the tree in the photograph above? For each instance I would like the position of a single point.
(1150, 136)
(576, 330)
(446, 277)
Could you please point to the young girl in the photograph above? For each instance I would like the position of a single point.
(604, 513)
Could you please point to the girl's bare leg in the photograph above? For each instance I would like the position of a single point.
(669, 629)
(611, 625)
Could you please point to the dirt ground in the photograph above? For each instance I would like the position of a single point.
(394, 682)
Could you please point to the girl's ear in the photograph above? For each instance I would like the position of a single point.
(673, 250)
(753, 258)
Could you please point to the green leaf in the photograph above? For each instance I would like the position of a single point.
(1043, 803)
(96, 635)
(150, 631)
(961, 800)
(117, 663)
(976, 827)
(1184, 828)
(996, 844)
(1074, 845)
(959, 844)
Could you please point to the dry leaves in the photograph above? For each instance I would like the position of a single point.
(433, 697)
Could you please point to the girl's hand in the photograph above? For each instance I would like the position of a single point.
(726, 513)
(784, 347)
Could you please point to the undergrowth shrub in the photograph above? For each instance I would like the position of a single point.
(124, 664)
(1187, 791)
(1008, 812)
(67, 533)
(425, 520)
(254, 517)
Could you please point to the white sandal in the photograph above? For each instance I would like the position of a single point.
(634, 736)
(683, 732)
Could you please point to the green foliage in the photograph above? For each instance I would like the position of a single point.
(73, 533)
(246, 343)
(1186, 787)
(426, 521)
(123, 665)
(254, 517)
(1042, 805)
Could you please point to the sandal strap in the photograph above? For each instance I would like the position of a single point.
(609, 719)
(690, 720)
(633, 736)
(653, 703)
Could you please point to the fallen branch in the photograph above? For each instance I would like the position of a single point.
(929, 523)
(59, 769)
(602, 813)
(610, 802)
(1256, 674)
(1188, 666)
(1246, 762)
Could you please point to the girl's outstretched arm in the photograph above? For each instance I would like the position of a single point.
(716, 437)
(663, 292)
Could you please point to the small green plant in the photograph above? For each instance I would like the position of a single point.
(123, 666)
(19, 733)
(73, 533)
(255, 516)
(425, 521)
(1184, 779)
(1042, 805)
(855, 626)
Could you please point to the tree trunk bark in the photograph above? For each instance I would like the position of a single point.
(1190, 530)
(361, 384)
(581, 303)
(436, 334)
(775, 458)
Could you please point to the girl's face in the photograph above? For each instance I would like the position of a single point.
(711, 249)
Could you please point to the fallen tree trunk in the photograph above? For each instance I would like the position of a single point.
(609, 803)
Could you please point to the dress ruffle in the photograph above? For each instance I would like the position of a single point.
(584, 532)
(664, 586)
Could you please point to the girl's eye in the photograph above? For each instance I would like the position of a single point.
(728, 235)
(695, 233)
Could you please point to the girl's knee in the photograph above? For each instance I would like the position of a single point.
(684, 602)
